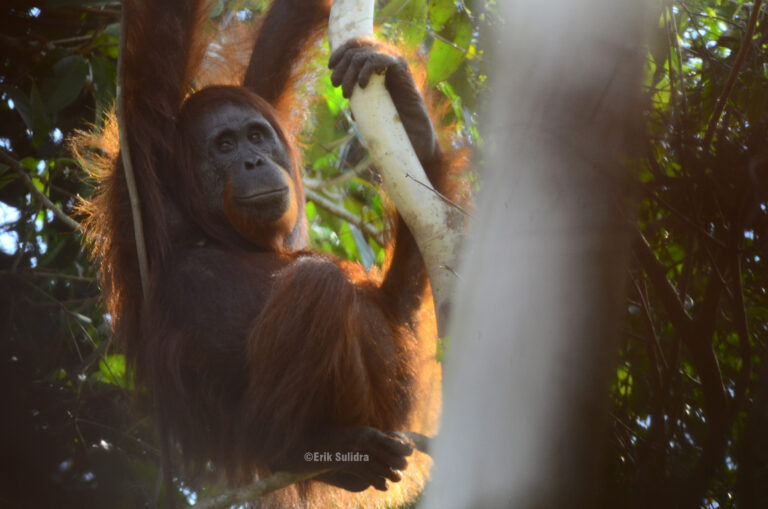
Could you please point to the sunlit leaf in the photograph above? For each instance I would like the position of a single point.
(440, 11)
(367, 256)
(449, 49)
(112, 371)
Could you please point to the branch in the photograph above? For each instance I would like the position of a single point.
(752, 450)
(734, 73)
(657, 273)
(430, 219)
(280, 480)
(19, 168)
(716, 407)
(258, 489)
(347, 175)
(687, 220)
(125, 151)
(706, 311)
(328, 205)
(654, 348)
(697, 337)
(745, 347)
(669, 15)
(65, 277)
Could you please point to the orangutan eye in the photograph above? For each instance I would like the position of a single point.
(225, 143)
(255, 135)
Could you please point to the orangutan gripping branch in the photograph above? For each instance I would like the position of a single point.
(256, 350)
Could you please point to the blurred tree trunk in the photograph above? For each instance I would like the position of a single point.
(537, 311)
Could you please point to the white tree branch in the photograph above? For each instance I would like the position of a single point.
(429, 218)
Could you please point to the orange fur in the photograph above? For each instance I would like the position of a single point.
(244, 350)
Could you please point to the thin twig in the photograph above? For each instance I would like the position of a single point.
(667, 293)
(440, 195)
(19, 168)
(258, 489)
(727, 21)
(60, 304)
(424, 29)
(347, 175)
(690, 222)
(745, 346)
(328, 205)
(745, 45)
(133, 193)
(70, 40)
(679, 54)
(65, 277)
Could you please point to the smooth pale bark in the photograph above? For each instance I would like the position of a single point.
(431, 220)
(535, 321)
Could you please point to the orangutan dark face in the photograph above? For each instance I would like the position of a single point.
(245, 172)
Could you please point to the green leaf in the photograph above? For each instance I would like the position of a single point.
(40, 121)
(625, 381)
(7, 179)
(405, 21)
(367, 256)
(39, 185)
(412, 10)
(446, 57)
(333, 95)
(348, 242)
(21, 104)
(104, 73)
(440, 11)
(30, 163)
(64, 86)
(108, 41)
(217, 9)
(453, 97)
(310, 210)
(55, 247)
(112, 371)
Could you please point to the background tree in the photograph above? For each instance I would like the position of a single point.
(690, 390)
(692, 385)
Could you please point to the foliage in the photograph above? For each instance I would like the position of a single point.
(692, 387)
(690, 396)
(73, 438)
